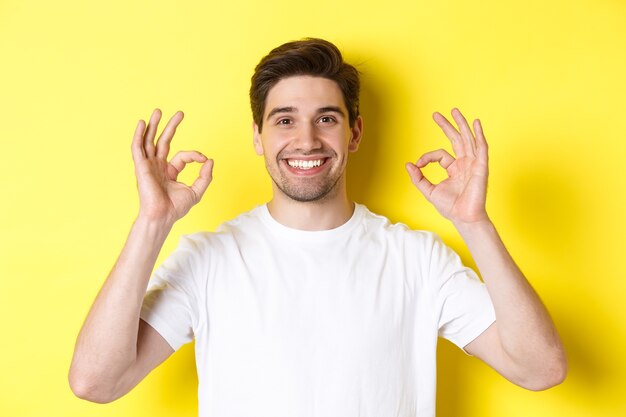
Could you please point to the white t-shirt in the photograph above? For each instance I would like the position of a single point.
(334, 323)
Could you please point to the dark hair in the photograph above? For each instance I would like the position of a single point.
(309, 56)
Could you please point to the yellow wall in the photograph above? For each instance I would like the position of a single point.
(547, 81)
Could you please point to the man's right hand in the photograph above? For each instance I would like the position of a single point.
(161, 197)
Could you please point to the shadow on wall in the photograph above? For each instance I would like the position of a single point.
(541, 209)
(544, 206)
(363, 164)
(554, 212)
(550, 211)
(381, 155)
(178, 383)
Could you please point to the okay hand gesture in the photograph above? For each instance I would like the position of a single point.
(161, 197)
(460, 197)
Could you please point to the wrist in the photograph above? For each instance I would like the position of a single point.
(481, 226)
(157, 229)
(161, 219)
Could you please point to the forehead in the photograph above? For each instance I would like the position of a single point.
(304, 91)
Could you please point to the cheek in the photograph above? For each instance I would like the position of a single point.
(276, 142)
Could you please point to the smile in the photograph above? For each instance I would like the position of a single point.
(302, 164)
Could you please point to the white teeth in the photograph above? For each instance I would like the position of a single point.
(300, 164)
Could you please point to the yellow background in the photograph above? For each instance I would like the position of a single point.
(547, 79)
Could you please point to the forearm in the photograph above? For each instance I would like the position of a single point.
(526, 331)
(107, 343)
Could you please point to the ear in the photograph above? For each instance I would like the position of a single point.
(256, 139)
(357, 134)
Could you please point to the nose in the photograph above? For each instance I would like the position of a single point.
(307, 138)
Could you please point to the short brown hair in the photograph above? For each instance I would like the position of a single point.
(309, 56)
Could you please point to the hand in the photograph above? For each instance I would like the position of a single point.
(161, 197)
(460, 197)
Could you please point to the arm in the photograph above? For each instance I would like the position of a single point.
(115, 349)
(522, 345)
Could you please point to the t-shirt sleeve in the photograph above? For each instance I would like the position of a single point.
(462, 304)
(170, 305)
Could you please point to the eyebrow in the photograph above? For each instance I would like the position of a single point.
(276, 110)
(331, 109)
(291, 109)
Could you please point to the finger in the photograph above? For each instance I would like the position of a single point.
(205, 177)
(451, 133)
(419, 180)
(481, 142)
(440, 155)
(467, 138)
(163, 144)
(137, 145)
(148, 140)
(183, 158)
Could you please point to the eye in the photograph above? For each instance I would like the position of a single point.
(327, 119)
(284, 122)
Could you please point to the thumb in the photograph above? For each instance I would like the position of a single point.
(205, 177)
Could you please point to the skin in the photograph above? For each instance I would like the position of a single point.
(311, 123)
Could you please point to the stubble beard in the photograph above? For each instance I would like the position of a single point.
(304, 189)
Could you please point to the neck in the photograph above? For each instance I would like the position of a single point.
(324, 214)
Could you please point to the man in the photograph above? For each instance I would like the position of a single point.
(311, 304)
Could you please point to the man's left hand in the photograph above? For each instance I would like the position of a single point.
(460, 197)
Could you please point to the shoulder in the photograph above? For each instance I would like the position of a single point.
(250, 219)
(420, 251)
(379, 224)
(228, 232)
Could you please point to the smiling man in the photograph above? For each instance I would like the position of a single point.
(305, 136)
(311, 305)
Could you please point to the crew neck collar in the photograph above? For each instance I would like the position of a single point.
(308, 235)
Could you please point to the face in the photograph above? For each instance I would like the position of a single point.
(306, 138)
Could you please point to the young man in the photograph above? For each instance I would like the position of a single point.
(311, 304)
